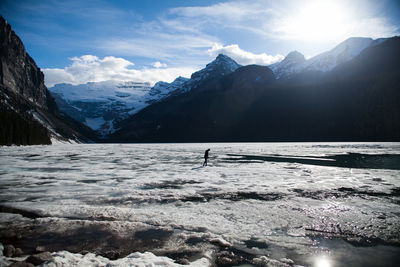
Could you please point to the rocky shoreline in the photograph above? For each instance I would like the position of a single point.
(55, 242)
(15, 257)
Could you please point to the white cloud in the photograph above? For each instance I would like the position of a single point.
(158, 65)
(232, 11)
(89, 68)
(243, 57)
(161, 45)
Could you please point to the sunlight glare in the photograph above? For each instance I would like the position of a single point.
(322, 262)
(319, 20)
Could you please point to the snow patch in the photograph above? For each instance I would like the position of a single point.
(221, 242)
(64, 258)
(268, 262)
(57, 141)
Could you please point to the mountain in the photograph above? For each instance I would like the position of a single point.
(163, 89)
(103, 105)
(29, 115)
(222, 65)
(288, 65)
(295, 62)
(100, 105)
(356, 100)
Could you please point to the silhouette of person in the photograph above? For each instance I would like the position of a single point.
(206, 157)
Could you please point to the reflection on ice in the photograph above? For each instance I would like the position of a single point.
(322, 261)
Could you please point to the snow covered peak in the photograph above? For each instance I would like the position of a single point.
(294, 62)
(353, 45)
(343, 52)
(180, 80)
(224, 61)
(288, 65)
(222, 65)
(163, 89)
(294, 57)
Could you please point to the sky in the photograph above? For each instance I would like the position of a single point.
(79, 41)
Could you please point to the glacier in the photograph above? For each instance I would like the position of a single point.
(102, 105)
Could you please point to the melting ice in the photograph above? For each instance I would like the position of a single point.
(255, 203)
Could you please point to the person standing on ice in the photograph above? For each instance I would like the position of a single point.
(206, 157)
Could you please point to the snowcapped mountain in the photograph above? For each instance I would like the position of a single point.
(222, 65)
(294, 62)
(164, 89)
(102, 105)
(250, 105)
(343, 52)
(288, 65)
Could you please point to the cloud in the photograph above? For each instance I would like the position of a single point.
(158, 65)
(243, 57)
(184, 35)
(232, 11)
(89, 68)
(304, 20)
(160, 44)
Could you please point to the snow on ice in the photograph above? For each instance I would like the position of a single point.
(278, 201)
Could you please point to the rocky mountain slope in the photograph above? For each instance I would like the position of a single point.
(356, 100)
(29, 114)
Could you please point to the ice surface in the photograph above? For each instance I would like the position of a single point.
(279, 203)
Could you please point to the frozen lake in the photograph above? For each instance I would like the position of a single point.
(255, 203)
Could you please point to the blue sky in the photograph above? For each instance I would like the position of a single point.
(79, 41)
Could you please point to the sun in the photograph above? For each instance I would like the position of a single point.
(318, 20)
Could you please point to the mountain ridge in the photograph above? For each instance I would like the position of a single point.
(325, 61)
(105, 113)
(362, 106)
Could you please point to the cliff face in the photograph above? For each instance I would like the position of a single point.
(29, 114)
(18, 72)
